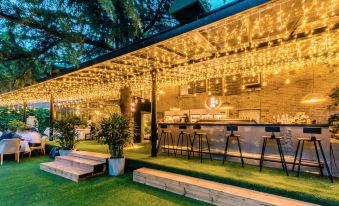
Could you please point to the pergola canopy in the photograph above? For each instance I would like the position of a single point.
(268, 39)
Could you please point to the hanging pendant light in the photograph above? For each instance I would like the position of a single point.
(313, 97)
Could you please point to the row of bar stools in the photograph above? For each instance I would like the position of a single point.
(232, 128)
(200, 136)
(313, 140)
(181, 138)
(166, 135)
(272, 130)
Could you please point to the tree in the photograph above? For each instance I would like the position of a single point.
(38, 36)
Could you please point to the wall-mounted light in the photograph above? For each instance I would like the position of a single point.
(174, 109)
(226, 106)
(132, 107)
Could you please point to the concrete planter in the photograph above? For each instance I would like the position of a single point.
(116, 166)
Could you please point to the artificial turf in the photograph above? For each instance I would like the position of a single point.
(307, 187)
(25, 184)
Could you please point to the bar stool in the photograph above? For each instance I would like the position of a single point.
(182, 135)
(200, 136)
(232, 128)
(277, 140)
(166, 135)
(313, 140)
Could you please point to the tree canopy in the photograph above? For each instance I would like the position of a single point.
(41, 36)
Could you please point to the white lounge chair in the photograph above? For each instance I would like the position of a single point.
(41, 147)
(10, 146)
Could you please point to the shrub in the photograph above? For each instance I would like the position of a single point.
(15, 125)
(65, 132)
(115, 132)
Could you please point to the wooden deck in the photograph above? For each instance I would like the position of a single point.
(208, 191)
(77, 165)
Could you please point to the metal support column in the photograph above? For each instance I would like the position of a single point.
(154, 135)
(51, 117)
(24, 105)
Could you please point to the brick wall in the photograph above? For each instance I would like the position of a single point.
(276, 98)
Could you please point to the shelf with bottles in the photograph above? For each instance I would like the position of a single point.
(297, 118)
(194, 115)
(333, 121)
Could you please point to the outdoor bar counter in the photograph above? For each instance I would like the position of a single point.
(251, 140)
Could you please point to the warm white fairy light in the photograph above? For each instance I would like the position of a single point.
(278, 37)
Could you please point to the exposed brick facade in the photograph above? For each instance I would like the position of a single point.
(276, 98)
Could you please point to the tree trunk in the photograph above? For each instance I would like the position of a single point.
(125, 102)
(125, 107)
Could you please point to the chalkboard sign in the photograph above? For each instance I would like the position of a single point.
(233, 85)
(215, 86)
(197, 87)
(252, 81)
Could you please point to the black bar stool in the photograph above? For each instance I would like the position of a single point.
(232, 128)
(166, 135)
(182, 135)
(277, 140)
(313, 140)
(200, 136)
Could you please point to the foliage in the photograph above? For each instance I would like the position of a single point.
(15, 125)
(38, 37)
(66, 133)
(8, 115)
(42, 115)
(116, 134)
(335, 97)
(334, 118)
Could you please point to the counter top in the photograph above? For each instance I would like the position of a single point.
(260, 125)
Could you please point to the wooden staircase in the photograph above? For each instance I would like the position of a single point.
(77, 165)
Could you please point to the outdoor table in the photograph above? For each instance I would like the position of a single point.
(81, 133)
(24, 146)
(30, 137)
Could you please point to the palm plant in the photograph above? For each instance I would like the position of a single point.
(116, 134)
(66, 133)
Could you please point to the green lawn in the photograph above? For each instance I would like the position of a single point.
(307, 187)
(26, 184)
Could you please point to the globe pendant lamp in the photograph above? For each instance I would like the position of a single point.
(313, 97)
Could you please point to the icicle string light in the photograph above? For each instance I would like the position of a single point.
(277, 37)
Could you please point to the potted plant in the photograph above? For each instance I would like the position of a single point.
(116, 134)
(66, 134)
(335, 97)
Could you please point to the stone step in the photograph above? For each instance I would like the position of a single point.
(208, 191)
(90, 155)
(79, 162)
(65, 170)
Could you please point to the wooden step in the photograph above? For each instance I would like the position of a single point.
(90, 155)
(65, 170)
(208, 191)
(78, 162)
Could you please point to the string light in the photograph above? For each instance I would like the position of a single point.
(269, 40)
